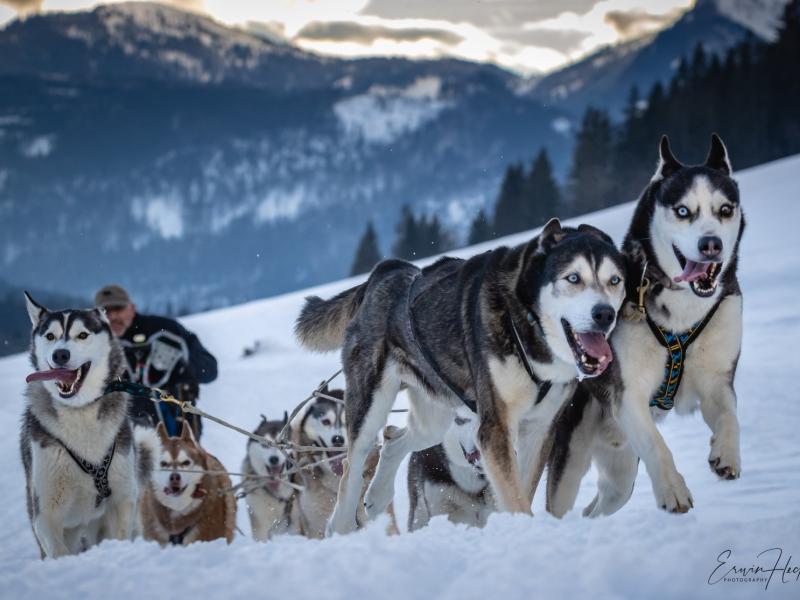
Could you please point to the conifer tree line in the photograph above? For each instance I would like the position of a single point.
(750, 96)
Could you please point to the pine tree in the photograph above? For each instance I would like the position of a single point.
(590, 179)
(542, 196)
(480, 230)
(510, 202)
(407, 240)
(367, 254)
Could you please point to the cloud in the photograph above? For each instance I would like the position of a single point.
(565, 41)
(24, 7)
(483, 14)
(632, 23)
(349, 31)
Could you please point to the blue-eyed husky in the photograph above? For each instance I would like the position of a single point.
(680, 346)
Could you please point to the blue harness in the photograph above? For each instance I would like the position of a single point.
(676, 345)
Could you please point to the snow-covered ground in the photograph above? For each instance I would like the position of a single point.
(640, 552)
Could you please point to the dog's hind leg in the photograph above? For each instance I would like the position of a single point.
(369, 397)
(427, 422)
(617, 467)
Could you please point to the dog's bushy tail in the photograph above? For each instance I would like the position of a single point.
(322, 323)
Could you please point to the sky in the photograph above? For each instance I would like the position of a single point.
(527, 36)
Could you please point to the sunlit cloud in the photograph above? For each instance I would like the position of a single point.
(528, 36)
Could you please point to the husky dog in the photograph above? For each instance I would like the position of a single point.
(322, 424)
(77, 451)
(271, 501)
(682, 246)
(188, 497)
(502, 333)
(448, 479)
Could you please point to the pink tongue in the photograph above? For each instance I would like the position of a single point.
(692, 270)
(337, 467)
(596, 346)
(65, 375)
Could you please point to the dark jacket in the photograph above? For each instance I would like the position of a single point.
(161, 353)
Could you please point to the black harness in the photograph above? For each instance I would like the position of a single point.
(542, 386)
(676, 345)
(177, 538)
(98, 472)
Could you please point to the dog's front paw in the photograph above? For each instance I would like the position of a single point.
(672, 494)
(724, 459)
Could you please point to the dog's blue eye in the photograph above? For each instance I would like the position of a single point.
(682, 212)
(83, 335)
(573, 278)
(615, 280)
(726, 210)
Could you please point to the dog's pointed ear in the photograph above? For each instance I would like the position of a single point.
(101, 312)
(718, 156)
(285, 417)
(35, 310)
(551, 235)
(263, 419)
(594, 231)
(667, 163)
(161, 430)
(323, 387)
(186, 433)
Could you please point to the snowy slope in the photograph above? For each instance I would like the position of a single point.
(640, 552)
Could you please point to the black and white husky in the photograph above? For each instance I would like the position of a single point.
(76, 441)
(681, 347)
(322, 425)
(502, 332)
(271, 500)
(448, 479)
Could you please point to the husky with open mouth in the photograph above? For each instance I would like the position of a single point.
(680, 345)
(504, 333)
(322, 425)
(271, 500)
(448, 479)
(76, 442)
(188, 496)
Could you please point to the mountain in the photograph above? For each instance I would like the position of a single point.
(604, 79)
(201, 165)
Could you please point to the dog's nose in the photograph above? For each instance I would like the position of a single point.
(603, 315)
(174, 477)
(337, 440)
(710, 246)
(273, 460)
(61, 357)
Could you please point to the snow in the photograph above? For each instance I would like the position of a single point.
(762, 17)
(161, 214)
(383, 114)
(638, 553)
(40, 146)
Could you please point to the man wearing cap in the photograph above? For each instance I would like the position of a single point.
(159, 353)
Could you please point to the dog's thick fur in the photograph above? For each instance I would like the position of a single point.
(448, 479)
(610, 420)
(461, 312)
(188, 497)
(61, 497)
(271, 501)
